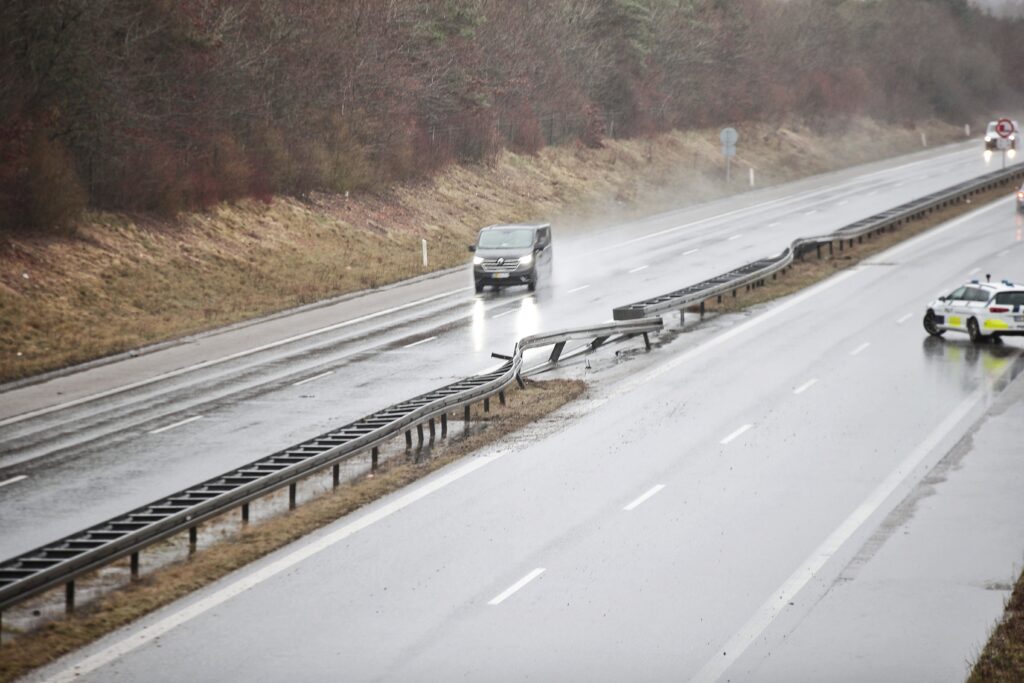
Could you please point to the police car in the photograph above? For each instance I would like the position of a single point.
(984, 310)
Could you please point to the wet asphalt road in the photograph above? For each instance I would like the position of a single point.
(196, 409)
(660, 529)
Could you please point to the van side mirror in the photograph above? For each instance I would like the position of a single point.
(472, 247)
(943, 297)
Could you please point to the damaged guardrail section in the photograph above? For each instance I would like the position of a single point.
(64, 560)
(755, 273)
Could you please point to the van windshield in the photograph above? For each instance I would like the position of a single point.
(515, 238)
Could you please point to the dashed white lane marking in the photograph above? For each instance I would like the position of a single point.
(772, 225)
(216, 361)
(975, 270)
(860, 348)
(14, 480)
(843, 203)
(1004, 252)
(904, 319)
(177, 424)
(811, 212)
(421, 341)
(504, 595)
(690, 251)
(578, 289)
(806, 385)
(806, 572)
(638, 269)
(735, 434)
(313, 378)
(639, 501)
(139, 637)
(735, 237)
(504, 313)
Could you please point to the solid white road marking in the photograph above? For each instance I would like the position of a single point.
(735, 434)
(577, 289)
(772, 225)
(177, 424)
(860, 348)
(638, 269)
(805, 386)
(421, 341)
(735, 237)
(636, 503)
(504, 313)
(314, 377)
(14, 480)
(811, 212)
(690, 251)
(904, 319)
(160, 627)
(501, 597)
(780, 599)
(224, 359)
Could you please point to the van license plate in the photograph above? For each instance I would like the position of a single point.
(498, 276)
(1019, 318)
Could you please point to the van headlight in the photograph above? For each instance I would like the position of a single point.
(526, 260)
(478, 260)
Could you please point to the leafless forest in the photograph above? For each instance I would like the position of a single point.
(165, 105)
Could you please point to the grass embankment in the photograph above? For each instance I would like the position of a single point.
(163, 586)
(1002, 660)
(125, 281)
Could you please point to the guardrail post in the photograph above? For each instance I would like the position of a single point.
(444, 425)
(291, 495)
(408, 439)
(734, 294)
(647, 341)
(701, 313)
(135, 566)
(69, 597)
(433, 430)
(465, 417)
(193, 539)
(817, 250)
(719, 298)
(830, 252)
(419, 434)
(336, 475)
(374, 456)
(245, 513)
(501, 397)
(841, 244)
(556, 352)
(487, 404)
(519, 381)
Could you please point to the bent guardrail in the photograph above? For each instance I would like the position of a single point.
(755, 272)
(61, 562)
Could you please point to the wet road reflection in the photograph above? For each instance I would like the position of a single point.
(990, 366)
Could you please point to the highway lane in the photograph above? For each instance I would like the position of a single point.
(93, 459)
(641, 533)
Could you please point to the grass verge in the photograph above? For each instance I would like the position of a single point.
(1002, 660)
(163, 586)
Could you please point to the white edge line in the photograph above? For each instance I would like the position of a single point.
(806, 385)
(135, 639)
(224, 359)
(177, 424)
(577, 289)
(780, 599)
(735, 237)
(639, 501)
(772, 225)
(504, 313)
(637, 270)
(860, 348)
(508, 592)
(314, 377)
(690, 251)
(735, 434)
(421, 341)
(904, 319)
(14, 480)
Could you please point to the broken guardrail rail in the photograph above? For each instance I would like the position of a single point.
(754, 274)
(62, 561)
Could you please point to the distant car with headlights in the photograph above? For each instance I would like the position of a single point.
(508, 255)
(995, 141)
(1020, 198)
(984, 310)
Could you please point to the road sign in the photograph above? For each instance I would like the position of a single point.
(1004, 127)
(729, 150)
(729, 136)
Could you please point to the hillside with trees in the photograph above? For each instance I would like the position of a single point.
(168, 105)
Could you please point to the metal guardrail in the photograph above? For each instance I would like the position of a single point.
(754, 273)
(62, 561)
